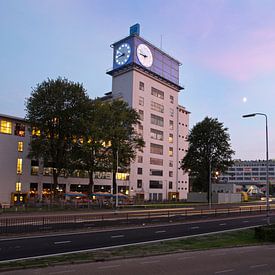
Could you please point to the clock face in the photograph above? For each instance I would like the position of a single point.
(144, 55)
(122, 53)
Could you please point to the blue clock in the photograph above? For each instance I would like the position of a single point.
(122, 54)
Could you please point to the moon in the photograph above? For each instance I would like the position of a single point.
(244, 99)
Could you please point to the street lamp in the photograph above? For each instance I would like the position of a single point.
(267, 170)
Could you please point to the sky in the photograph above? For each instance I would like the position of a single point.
(227, 50)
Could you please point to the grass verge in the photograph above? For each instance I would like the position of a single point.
(222, 240)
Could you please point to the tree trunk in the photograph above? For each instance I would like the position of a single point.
(54, 191)
(91, 182)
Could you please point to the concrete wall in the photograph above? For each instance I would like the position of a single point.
(216, 197)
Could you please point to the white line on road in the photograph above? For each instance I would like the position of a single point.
(117, 236)
(62, 272)
(63, 242)
(245, 221)
(150, 262)
(195, 227)
(160, 231)
(224, 271)
(222, 224)
(109, 266)
(258, 265)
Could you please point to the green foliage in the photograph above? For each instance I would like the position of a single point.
(55, 108)
(209, 146)
(265, 233)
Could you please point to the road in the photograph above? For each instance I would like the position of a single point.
(27, 247)
(237, 261)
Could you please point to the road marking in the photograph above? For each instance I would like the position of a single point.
(62, 242)
(245, 221)
(224, 271)
(195, 227)
(109, 266)
(150, 262)
(117, 236)
(62, 272)
(222, 224)
(160, 231)
(258, 265)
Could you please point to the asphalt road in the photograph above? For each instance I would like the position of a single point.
(237, 261)
(27, 247)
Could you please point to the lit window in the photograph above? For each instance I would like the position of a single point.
(170, 152)
(35, 132)
(19, 129)
(5, 127)
(170, 139)
(19, 166)
(141, 101)
(20, 146)
(18, 187)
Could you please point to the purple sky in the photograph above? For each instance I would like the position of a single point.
(227, 49)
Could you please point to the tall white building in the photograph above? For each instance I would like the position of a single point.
(148, 79)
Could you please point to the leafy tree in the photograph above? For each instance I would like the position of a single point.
(120, 121)
(90, 153)
(209, 150)
(55, 108)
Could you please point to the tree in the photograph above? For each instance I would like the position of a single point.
(55, 108)
(209, 150)
(120, 121)
(90, 152)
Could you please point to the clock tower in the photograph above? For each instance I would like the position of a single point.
(148, 79)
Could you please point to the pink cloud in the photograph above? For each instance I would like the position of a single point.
(255, 55)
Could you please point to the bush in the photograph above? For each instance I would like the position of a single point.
(265, 233)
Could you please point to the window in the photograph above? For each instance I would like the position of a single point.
(170, 163)
(20, 146)
(157, 107)
(19, 166)
(156, 134)
(141, 85)
(156, 149)
(157, 120)
(140, 129)
(19, 129)
(155, 172)
(170, 139)
(18, 186)
(155, 184)
(170, 153)
(170, 185)
(139, 183)
(140, 159)
(141, 101)
(34, 167)
(156, 161)
(5, 127)
(171, 99)
(157, 93)
(170, 173)
(139, 171)
(171, 124)
(141, 114)
(35, 132)
(171, 112)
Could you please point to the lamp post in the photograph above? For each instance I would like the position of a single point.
(117, 179)
(267, 168)
(210, 186)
